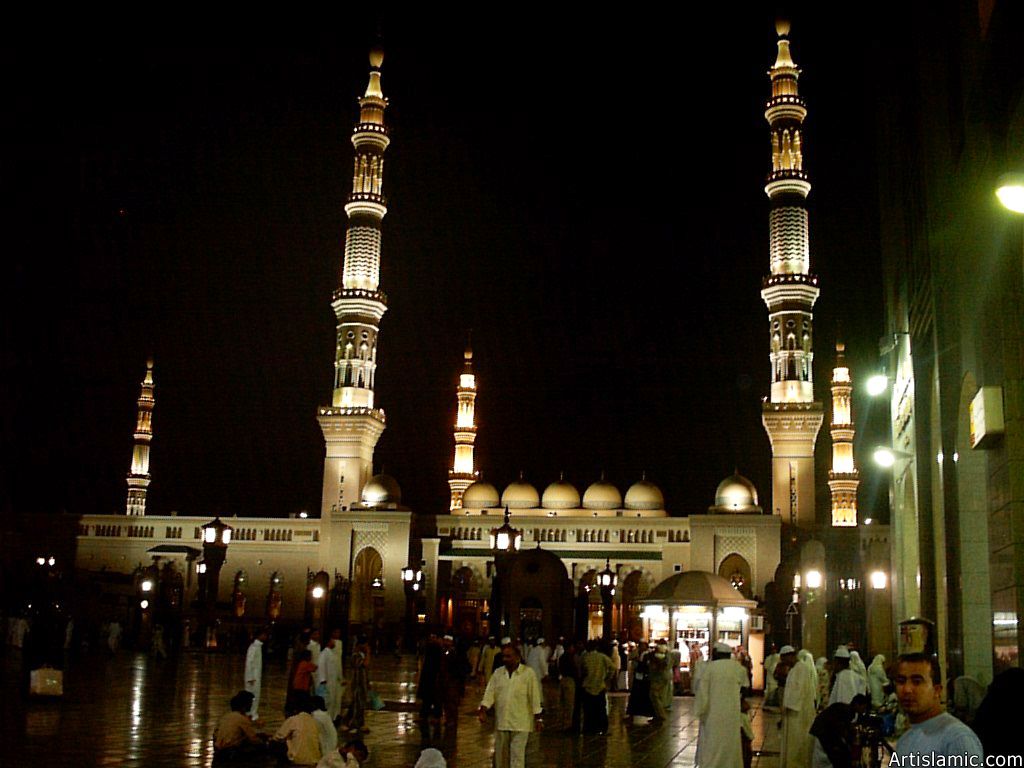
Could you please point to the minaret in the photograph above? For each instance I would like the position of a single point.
(138, 476)
(790, 416)
(461, 476)
(351, 424)
(844, 478)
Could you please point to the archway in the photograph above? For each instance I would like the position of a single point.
(467, 603)
(736, 569)
(367, 596)
(634, 587)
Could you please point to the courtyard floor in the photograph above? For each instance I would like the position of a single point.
(133, 710)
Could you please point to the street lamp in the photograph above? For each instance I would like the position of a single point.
(1010, 191)
(216, 537)
(879, 580)
(412, 581)
(607, 581)
(316, 585)
(877, 384)
(505, 540)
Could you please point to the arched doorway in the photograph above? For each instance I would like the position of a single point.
(539, 594)
(736, 569)
(531, 619)
(467, 603)
(634, 587)
(367, 610)
(590, 613)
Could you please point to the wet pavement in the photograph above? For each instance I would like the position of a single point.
(133, 710)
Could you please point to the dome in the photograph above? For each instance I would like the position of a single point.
(520, 495)
(736, 493)
(696, 588)
(602, 495)
(382, 489)
(480, 494)
(561, 495)
(644, 494)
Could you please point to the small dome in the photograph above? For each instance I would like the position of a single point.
(644, 494)
(561, 495)
(602, 495)
(736, 493)
(382, 489)
(696, 588)
(520, 495)
(480, 494)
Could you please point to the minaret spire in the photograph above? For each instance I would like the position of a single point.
(138, 476)
(843, 479)
(791, 416)
(461, 476)
(352, 424)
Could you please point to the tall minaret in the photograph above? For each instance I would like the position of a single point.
(461, 476)
(790, 416)
(138, 476)
(844, 478)
(351, 424)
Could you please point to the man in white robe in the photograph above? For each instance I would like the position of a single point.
(798, 713)
(254, 671)
(847, 683)
(328, 679)
(537, 660)
(771, 685)
(718, 708)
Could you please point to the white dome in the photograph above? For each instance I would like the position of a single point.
(561, 495)
(381, 489)
(480, 494)
(644, 494)
(736, 493)
(520, 495)
(602, 495)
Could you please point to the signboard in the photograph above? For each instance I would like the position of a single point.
(986, 417)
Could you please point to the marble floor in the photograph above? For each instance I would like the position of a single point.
(133, 710)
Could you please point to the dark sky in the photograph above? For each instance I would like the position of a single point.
(587, 196)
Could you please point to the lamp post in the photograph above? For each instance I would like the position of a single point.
(505, 540)
(216, 537)
(607, 580)
(316, 597)
(412, 581)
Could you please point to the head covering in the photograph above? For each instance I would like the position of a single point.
(721, 647)
(431, 758)
(805, 657)
(842, 652)
(506, 640)
(786, 649)
(448, 637)
(819, 663)
(540, 640)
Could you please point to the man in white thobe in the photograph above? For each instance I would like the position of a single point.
(537, 660)
(718, 708)
(254, 671)
(515, 694)
(798, 713)
(328, 679)
(847, 683)
(771, 685)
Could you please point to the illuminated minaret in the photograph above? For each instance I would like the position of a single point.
(461, 476)
(790, 416)
(351, 424)
(138, 477)
(843, 479)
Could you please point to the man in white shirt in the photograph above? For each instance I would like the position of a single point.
(847, 683)
(254, 671)
(328, 679)
(538, 659)
(515, 694)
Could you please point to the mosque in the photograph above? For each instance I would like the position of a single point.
(371, 564)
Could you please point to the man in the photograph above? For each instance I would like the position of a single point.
(325, 724)
(833, 733)
(771, 688)
(487, 656)
(787, 660)
(314, 644)
(428, 690)
(846, 683)
(597, 671)
(328, 679)
(538, 659)
(566, 688)
(932, 730)
(718, 708)
(659, 671)
(352, 755)
(301, 736)
(254, 671)
(514, 693)
(235, 734)
(798, 711)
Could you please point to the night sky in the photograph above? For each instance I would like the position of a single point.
(585, 195)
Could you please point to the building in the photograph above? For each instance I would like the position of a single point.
(949, 128)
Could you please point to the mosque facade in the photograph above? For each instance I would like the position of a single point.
(346, 564)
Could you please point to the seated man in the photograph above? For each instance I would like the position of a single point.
(328, 732)
(235, 733)
(300, 736)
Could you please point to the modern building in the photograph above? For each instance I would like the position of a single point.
(949, 128)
